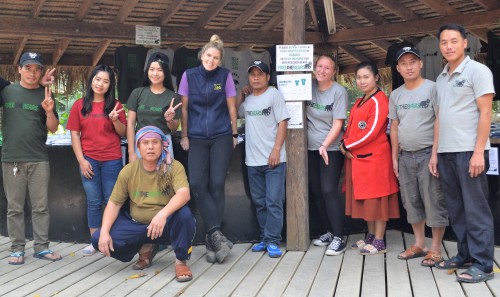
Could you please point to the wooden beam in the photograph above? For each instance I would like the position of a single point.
(411, 28)
(488, 4)
(346, 69)
(100, 50)
(59, 51)
(88, 30)
(360, 9)
(297, 198)
(125, 11)
(84, 9)
(254, 9)
(273, 22)
(399, 9)
(210, 13)
(37, 7)
(18, 50)
(314, 17)
(171, 11)
(354, 52)
(440, 7)
(66, 60)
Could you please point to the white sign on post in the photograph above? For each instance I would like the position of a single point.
(147, 35)
(294, 57)
(295, 87)
(296, 115)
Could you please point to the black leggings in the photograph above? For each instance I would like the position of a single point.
(323, 187)
(208, 162)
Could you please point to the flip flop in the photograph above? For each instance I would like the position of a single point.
(42, 255)
(411, 253)
(453, 263)
(476, 275)
(17, 255)
(182, 269)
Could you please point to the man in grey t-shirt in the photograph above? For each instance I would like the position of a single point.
(465, 93)
(266, 121)
(412, 109)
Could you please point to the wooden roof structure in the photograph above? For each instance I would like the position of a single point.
(87, 32)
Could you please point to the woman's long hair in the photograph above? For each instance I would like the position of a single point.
(109, 96)
(163, 61)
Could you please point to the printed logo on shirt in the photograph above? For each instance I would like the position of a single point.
(265, 112)
(152, 194)
(95, 115)
(362, 125)
(417, 105)
(459, 83)
(217, 87)
(25, 106)
(150, 108)
(328, 107)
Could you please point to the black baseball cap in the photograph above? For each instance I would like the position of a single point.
(31, 58)
(259, 64)
(406, 50)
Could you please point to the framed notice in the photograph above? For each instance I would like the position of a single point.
(294, 57)
(296, 115)
(295, 87)
(493, 170)
(148, 35)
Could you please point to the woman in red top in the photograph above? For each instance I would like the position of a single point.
(97, 121)
(371, 186)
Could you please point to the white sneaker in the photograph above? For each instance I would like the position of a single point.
(335, 248)
(324, 239)
(88, 250)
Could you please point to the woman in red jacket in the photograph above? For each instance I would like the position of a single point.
(371, 186)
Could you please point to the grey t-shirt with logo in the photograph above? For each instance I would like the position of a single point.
(416, 112)
(262, 115)
(325, 106)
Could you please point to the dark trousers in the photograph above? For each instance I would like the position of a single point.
(469, 212)
(207, 163)
(129, 235)
(323, 187)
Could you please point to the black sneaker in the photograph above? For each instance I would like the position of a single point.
(220, 245)
(335, 248)
(324, 239)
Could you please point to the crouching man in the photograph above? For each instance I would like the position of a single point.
(157, 191)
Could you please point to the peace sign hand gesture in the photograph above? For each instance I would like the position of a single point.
(113, 115)
(48, 102)
(170, 113)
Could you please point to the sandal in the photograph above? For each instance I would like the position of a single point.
(146, 259)
(411, 253)
(43, 255)
(358, 245)
(369, 249)
(183, 270)
(476, 275)
(453, 263)
(19, 258)
(433, 257)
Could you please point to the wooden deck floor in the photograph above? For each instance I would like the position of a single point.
(244, 273)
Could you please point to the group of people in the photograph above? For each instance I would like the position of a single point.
(437, 157)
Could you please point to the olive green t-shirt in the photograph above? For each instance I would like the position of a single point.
(141, 186)
(23, 124)
(150, 107)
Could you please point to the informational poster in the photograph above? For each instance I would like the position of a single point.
(294, 57)
(295, 87)
(493, 161)
(296, 115)
(147, 35)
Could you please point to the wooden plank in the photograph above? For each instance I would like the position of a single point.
(360, 9)
(422, 279)
(281, 276)
(297, 198)
(257, 277)
(494, 284)
(349, 283)
(236, 275)
(215, 273)
(171, 11)
(84, 9)
(100, 50)
(254, 9)
(59, 51)
(125, 11)
(325, 282)
(489, 4)
(373, 276)
(398, 279)
(18, 50)
(28, 252)
(398, 9)
(353, 52)
(273, 22)
(210, 13)
(312, 11)
(303, 278)
(471, 290)
(37, 7)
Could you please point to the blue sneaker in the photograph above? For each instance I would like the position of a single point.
(273, 251)
(259, 247)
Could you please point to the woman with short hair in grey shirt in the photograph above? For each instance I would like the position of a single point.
(326, 113)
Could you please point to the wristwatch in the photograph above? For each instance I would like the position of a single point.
(235, 135)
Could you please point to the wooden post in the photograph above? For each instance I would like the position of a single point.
(297, 201)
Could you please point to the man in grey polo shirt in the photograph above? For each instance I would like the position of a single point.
(412, 109)
(465, 93)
